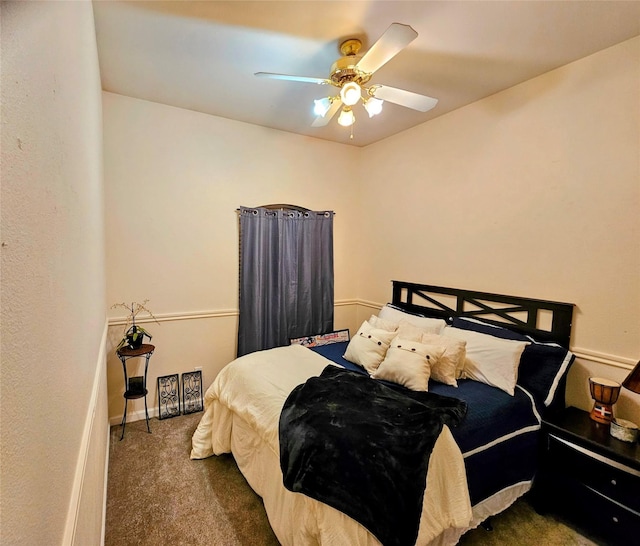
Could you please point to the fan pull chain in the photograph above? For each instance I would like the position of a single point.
(351, 136)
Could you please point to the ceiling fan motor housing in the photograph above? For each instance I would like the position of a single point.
(344, 69)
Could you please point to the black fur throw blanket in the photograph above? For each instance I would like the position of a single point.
(363, 447)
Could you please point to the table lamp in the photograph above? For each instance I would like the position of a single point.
(620, 428)
(632, 382)
(605, 394)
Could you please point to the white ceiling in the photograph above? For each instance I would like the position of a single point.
(203, 55)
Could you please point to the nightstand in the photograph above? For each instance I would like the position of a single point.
(589, 477)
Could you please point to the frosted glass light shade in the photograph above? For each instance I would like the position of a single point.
(350, 93)
(373, 106)
(321, 106)
(346, 118)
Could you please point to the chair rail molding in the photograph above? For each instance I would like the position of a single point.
(580, 352)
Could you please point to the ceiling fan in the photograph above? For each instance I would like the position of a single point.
(351, 74)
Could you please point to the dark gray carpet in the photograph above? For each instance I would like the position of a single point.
(157, 496)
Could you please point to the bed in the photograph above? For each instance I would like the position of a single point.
(477, 466)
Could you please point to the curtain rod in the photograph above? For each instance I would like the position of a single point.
(284, 207)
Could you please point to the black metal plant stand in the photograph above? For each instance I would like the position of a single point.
(135, 387)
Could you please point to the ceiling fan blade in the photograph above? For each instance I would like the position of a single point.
(322, 121)
(302, 79)
(404, 98)
(394, 40)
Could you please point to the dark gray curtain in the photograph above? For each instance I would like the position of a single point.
(286, 276)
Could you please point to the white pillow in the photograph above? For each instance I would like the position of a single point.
(432, 325)
(383, 324)
(408, 363)
(368, 347)
(450, 365)
(406, 330)
(489, 359)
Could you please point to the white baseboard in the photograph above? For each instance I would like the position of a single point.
(133, 416)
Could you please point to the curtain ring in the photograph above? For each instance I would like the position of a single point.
(254, 212)
(327, 214)
(306, 214)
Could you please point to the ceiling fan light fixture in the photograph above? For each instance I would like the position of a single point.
(346, 118)
(373, 106)
(322, 106)
(352, 73)
(350, 93)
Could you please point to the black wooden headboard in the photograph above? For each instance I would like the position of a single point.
(523, 315)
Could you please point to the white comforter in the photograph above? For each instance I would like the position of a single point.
(242, 411)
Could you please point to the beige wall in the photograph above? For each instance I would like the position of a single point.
(53, 394)
(174, 179)
(534, 191)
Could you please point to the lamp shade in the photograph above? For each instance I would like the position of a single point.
(350, 93)
(373, 106)
(346, 117)
(321, 106)
(632, 382)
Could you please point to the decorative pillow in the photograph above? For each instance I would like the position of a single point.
(450, 365)
(388, 312)
(383, 324)
(368, 347)
(489, 359)
(408, 363)
(542, 365)
(406, 330)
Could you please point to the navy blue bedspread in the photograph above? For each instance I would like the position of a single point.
(498, 437)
